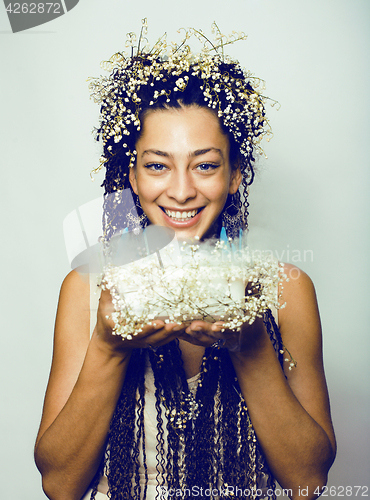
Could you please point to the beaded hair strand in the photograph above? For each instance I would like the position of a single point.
(189, 457)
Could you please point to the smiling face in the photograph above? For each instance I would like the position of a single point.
(182, 174)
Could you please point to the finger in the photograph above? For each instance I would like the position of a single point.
(158, 339)
(218, 326)
(154, 335)
(197, 340)
(201, 327)
(160, 326)
(105, 298)
(203, 337)
(153, 327)
(197, 326)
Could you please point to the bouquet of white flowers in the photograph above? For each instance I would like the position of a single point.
(216, 280)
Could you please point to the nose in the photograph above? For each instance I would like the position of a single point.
(181, 187)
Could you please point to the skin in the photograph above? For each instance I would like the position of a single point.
(183, 165)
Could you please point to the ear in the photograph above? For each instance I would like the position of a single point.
(132, 179)
(235, 180)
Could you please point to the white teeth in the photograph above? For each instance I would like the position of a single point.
(181, 215)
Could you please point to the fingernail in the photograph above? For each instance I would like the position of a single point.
(177, 328)
(196, 329)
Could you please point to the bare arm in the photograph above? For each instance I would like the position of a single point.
(290, 415)
(85, 383)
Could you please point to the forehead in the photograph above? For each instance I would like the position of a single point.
(184, 128)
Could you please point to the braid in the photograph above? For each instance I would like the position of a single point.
(122, 446)
(202, 453)
(218, 446)
(275, 335)
(140, 438)
(229, 401)
(168, 370)
(160, 455)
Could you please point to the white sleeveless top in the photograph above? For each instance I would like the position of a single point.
(150, 419)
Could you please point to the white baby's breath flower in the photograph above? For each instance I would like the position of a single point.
(208, 283)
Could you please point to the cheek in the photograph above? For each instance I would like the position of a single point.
(219, 189)
(149, 188)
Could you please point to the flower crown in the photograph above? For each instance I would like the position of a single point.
(163, 73)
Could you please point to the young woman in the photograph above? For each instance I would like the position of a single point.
(181, 132)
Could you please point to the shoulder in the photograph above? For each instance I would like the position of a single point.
(297, 281)
(75, 283)
(299, 321)
(297, 298)
(300, 328)
(72, 325)
(74, 298)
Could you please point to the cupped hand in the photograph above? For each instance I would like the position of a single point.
(206, 334)
(152, 335)
(203, 333)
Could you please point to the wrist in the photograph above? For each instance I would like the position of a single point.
(254, 341)
(117, 349)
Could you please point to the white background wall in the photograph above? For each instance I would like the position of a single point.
(311, 194)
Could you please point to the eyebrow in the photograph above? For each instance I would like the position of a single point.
(198, 152)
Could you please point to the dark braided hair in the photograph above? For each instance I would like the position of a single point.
(215, 445)
(243, 128)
